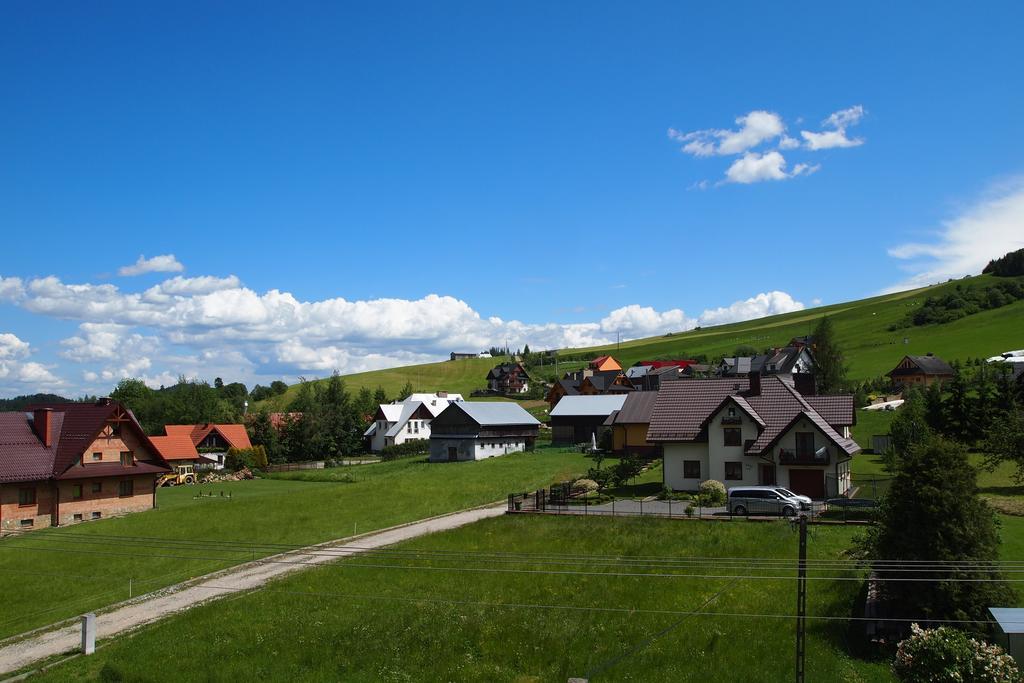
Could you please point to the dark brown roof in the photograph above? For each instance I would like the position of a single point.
(683, 409)
(637, 409)
(929, 365)
(22, 455)
(837, 410)
(74, 426)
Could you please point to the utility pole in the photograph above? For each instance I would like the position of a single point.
(801, 601)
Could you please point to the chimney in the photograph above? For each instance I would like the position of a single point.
(442, 394)
(41, 422)
(755, 383)
(803, 382)
(103, 401)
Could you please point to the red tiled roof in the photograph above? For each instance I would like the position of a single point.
(175, 446)
(234, 434)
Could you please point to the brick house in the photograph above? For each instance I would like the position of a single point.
(67, 463)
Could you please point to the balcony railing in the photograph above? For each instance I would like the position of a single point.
(788, 456)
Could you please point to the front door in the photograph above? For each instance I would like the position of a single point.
(453, 453)
(808, 482)
(766, 475)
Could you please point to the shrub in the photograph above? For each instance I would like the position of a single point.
(239, 458)
(414, 447)
(712, 492)
(946, 654)
(690, 508)
(600, 477)
(627, 468)
(584, 486)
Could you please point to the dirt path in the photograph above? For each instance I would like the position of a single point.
(19, 653)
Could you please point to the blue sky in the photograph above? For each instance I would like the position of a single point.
(315, 172)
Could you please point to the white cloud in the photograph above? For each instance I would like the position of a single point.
(764, 304)
(987, 229)
(18, 375)
(760, 161)
(643, 321)
(835, 138)
(11, 289)
(755, 128)
(12, 347)
(754, 168)
(165, 263)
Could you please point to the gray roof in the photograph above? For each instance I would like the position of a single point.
(487, 413)
(604, 404)
(1010, 619)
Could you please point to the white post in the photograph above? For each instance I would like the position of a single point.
(88, 633)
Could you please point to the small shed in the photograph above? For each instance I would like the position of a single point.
(578, 419)
(1009, 629)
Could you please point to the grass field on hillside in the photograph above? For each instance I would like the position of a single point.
(450, 617)
(52, 574)
(861, 327)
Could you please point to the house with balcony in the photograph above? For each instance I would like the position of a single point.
(754, 430)
(508, 378)
(407, 420)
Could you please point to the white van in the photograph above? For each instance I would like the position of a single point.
(766, 500)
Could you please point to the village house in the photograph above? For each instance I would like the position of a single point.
(66, 463)
(790, 360)
(508, 378)
(407, 420)
(580, 419)
(605, 382)
(734, 366)
(561, 388)
(202, 445)
(475, 430)
(920, 371)
(630, 424)
(604, 364)
(753, 430)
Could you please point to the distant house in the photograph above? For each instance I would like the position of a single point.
(653, 377)
(66, 463)
(604, 363)
(407, 420)
(753, 430)
(738, 366)
(213, 439)
(475, 430)
(696, 370)
(605, 382)
(800, 342)
(580, 419)
(630, 423)
(920, 371)
(466, 356)
(509, 378)
(786, 361)
(563, 387)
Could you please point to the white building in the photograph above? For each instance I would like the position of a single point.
(476, 430)
(753, 431)
(396, 423)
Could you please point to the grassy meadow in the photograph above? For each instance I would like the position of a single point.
(462, 617)
(52, 574)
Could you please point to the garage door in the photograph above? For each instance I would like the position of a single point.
(808, 482)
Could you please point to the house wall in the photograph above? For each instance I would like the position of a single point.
(109, 447)
(474, 448)
(107, 502)
(788, 442)
(632, 438)
(719, 453)
(572, 429)
(675, 454)
(40, 512)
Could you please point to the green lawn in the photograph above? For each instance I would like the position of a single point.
(53, 574)
(399, 623)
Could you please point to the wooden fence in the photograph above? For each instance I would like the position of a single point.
(292, 466)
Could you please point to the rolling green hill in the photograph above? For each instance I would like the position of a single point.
(861, 326)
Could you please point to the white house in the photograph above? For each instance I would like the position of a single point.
(475, 430)
(396, 423)
(751, 431)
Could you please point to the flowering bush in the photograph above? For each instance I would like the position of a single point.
(712, 492)
(946, 654)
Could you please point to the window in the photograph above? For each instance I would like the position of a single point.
(96, 515)
(27, 496)
(77, 517)
(125, 488)
(732, 412)
(97, 486)
(27, 522)
(691, 469)
(408, 427)
(76, 492)
(127, 458)
(733, 470)
(733, 436)
(805, 444)
(97, 456)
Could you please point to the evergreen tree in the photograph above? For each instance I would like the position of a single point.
(406, 391)
(829, 365)
(1006, 444)
(933, 406)
(957, 407)
(262, 433)
(380, 396)
(933, 513)
(909, 428)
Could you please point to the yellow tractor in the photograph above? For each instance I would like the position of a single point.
(181, 474)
